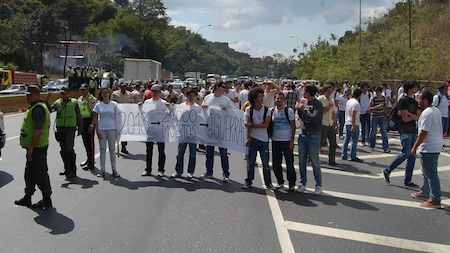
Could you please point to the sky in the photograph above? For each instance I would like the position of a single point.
(265, 27)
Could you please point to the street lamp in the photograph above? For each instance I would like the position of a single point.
(202, 28)
(304, 45)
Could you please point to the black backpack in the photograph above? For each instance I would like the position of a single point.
(394, 119)
(270, 128)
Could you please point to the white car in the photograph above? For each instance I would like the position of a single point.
(14, 89)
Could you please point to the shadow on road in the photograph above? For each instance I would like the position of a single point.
(5, 178)
(57, 223)
(83, 182)
(305, 199)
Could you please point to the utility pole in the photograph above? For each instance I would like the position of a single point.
(409, 25)
(360, 23)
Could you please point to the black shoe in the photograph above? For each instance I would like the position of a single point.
(386, 176)
(270, 187)
(246, 186)
(125, 151)
(411, 184)
(84, 163)
(44, 203)
(334, 164)
(25, 201)
(62, 173)
(356, 159)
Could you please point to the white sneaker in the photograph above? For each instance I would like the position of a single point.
(301, 188)
(160, 174)
(175, 175)
(226, 179)
(190, 176)
(318, 190)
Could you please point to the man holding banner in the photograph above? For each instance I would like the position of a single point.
(159, 103)
(217, 100)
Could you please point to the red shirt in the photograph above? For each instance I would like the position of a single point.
(148, 94)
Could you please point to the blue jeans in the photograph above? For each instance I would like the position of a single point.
(378, 121)
(408, 141)
(341, 117)
(309, 146)
(365, 126)
(210, 161)
(263, 148)
(349, 135)
(431, 185)
(444, 125)
(180, 157)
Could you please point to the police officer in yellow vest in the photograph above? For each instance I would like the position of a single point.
(34, 138)
(86, 103)
(68, 119)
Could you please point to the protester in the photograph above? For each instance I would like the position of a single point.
(269, 93)
(217, 101)
(409, 114)
(243, 95)
(34, 136)
(343, 99)
(190, 106)
(136, 95)
(329, 123)
(122, 96)
(283, 136)
(440, 101)
(311, 114)
(429, 144)
(171, 96)
(387, 93)
(257, 118)
(291, 96)
(105, 119)
(68, 120)
(232, 94)
(148, 93)
(86, 103)
(159, 103)
(352, 123)
(365, 115)
(378, 113)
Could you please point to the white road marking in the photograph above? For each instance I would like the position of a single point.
(12, 138)
(389, 241)
(371, 156)
(282, 232)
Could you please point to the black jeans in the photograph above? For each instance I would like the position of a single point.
(365, 126)
(88, 141)
(329, 132)
(36, 173)
(67, 141)
(161, 157)
(280, 148)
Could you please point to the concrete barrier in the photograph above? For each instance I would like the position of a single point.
(14, 103)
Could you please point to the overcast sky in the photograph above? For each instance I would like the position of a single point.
(264, 27)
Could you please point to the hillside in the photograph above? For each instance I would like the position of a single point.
(384, 51)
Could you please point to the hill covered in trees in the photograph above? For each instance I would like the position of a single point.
(383, 51)
(139, 28)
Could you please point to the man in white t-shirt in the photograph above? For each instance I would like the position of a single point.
(352, 122)
(429, 144)
(156, 100)
(387, 93)
(257, 120)
(441, 102)
(243, 95)
(219, 101)
(283, 136)
(232, 94)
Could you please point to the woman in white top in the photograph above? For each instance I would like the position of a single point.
(104, 120)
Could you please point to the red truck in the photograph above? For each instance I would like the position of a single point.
(10, 76)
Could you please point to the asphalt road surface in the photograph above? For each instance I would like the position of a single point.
(358, 211)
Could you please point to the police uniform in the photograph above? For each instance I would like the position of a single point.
(68, 118)
(37, 117)
(86, 104)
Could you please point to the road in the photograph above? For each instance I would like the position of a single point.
(358, 212)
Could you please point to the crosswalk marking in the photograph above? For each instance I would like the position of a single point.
(389, 241)
(371, 156)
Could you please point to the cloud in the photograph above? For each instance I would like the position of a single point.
(247, 47)
(237, 14)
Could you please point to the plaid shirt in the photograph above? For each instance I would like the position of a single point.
(291, 99)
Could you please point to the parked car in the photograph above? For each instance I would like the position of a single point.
(177, 86)
(57, 85)
(14, 89)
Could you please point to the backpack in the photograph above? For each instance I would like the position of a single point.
(394, 120)
(270, 128)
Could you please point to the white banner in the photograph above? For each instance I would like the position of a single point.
(155, 123)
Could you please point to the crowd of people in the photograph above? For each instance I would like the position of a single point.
(273, 111)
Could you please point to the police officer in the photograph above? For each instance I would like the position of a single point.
(34, 138)
(68, 118)
(86, 103)
(93, 86)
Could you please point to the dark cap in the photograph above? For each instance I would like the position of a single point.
(33, 89)
(156, 87)
(123, 84)
(64, 90)
(83, 86)
(443, 85)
